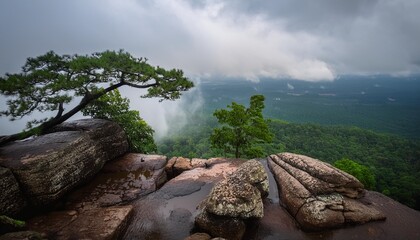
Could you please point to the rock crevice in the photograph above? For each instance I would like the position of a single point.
(48, 166)
(318, 195)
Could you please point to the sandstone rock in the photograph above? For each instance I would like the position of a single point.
(48, 166)
(199, 236)
(233, 201)
(169, 212)
(226, 227)
(122, 180)
(198, 162)
(319, 177)
(234, 198)
(240, 194)
(402, 223)
(110, 136)
(100, 223)
(318, 195)
(254, 173)
(169, 167)
(11, 198)
(177, 165)
(23, 235)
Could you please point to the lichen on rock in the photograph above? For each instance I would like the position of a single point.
(317, 194)
(234, 200)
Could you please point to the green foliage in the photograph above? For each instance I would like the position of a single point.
(116, 108)
(50, 81)
(361, 172)
(10, 222)
(394, 161)
(242, 128)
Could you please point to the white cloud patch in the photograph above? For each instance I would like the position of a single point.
(233, 46)
(307, 40)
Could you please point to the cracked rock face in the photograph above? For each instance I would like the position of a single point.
(11, 198)
(120, 181)
(319, 195)
(95, 224)
(234, 200)
(50, 165)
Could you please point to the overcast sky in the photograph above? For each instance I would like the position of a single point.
(302, 39)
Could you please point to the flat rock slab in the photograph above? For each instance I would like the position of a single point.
(169, 212)
(100, 223)
(120, 181)
(402, 223)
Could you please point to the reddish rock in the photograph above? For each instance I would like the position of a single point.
(11, 197)
(159, 215)
(233, 201)
(120, 181)
(217, 226)
(199, 236)
(318, 195)
(198, 162)
(50, 165)
(178, 165)
(95, 224)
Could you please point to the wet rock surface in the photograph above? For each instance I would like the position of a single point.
(99, 223)
(318, 195)
(239, 195)
(217, 226)
(169, 212)
(178, 165)
(93, 211)
(121, 181)
(50, 165)
(23, 235)
(401, 223)
(233, 201)
(198, 236)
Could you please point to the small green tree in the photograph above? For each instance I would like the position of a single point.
(242, 129)
(116, 108)
(50, 82)
(361, 172)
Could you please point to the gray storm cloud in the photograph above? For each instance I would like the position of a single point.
(306, 40)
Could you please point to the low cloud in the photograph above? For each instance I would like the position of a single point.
(166, 116)
(306, 40)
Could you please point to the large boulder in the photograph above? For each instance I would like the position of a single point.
(226, 227)
(11, 198)
(120, 181)
(48, 166)
(233, 201)
(169, 212)
(317, 194)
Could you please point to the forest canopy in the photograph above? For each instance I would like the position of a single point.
(394, 161)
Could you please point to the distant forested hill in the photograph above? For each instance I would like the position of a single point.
(380, 103)
(394, 160)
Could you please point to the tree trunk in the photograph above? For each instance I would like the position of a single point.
(237, 155)
(44, 127)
